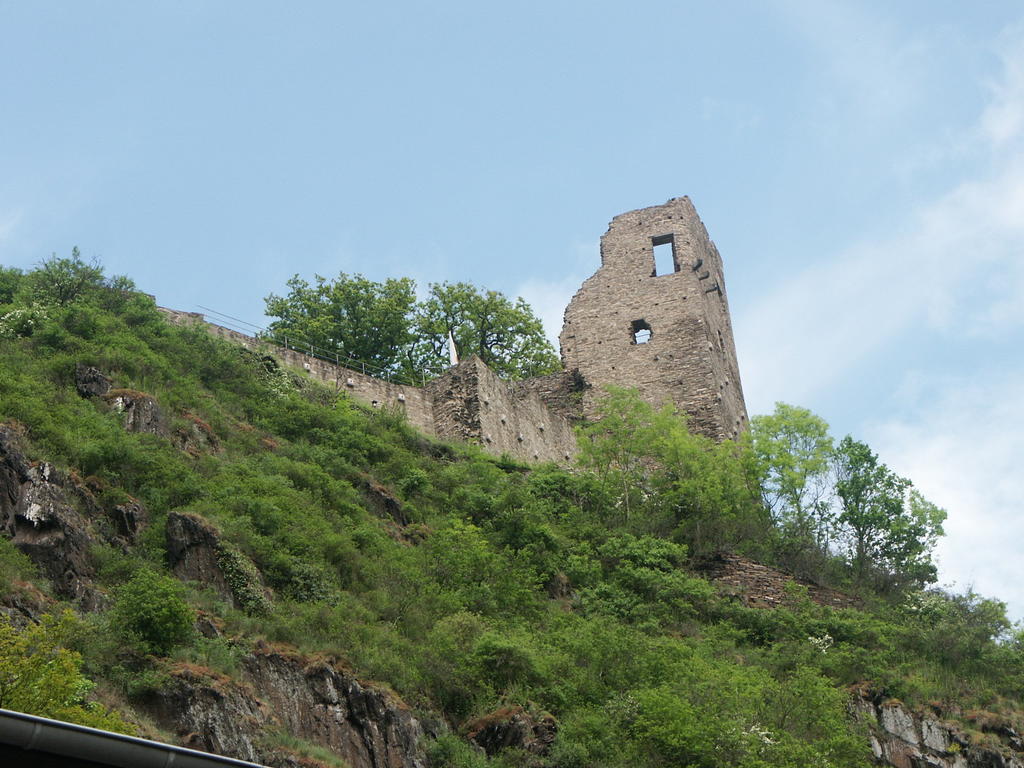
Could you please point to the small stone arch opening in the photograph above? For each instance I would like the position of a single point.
(641, 331)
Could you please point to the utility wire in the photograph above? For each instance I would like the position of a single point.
(300, 344)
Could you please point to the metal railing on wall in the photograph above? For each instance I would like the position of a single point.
(296, 343)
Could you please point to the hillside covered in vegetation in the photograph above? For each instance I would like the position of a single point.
(196, 538)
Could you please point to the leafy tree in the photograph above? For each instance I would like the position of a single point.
(39, 676)
(617, 445)
(506, 335)
(647, 459)
(382, 325)
(889, 530)
(710, 489)
(62, 281)
(794, 450)
(351, 316)
(150, 613)
(10, 279)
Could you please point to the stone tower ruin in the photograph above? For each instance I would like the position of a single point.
(655, 317)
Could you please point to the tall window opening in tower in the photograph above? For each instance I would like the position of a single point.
(664, 255)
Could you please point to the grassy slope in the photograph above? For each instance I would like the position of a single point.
(644, 665)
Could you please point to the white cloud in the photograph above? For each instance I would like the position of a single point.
(962, 446)
(1003, 119)
(954, 273)
(878, 72)
(957, 268)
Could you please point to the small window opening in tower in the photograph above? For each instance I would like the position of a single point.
(641, 332)
(664, 255)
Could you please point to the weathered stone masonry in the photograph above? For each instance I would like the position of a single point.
(668, 335)
(468, 402)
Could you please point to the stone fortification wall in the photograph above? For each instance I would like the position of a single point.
(762, 587)
(562, 392)
(468, 403)
(667, 335)
(417, 404)
(471, 403)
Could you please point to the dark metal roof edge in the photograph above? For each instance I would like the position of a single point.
(40, 734)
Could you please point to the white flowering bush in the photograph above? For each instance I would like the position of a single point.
(23, 321)
(822, 643)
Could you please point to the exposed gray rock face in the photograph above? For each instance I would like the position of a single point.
(313, 700)
(382, 502)
(37, 514)
(195, 437)
(25, 605)
(90, 382)
(196, 552)
(516, 728)
(904, 739)
(128, 520)
(141, 412)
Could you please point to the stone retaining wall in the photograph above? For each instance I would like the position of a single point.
(468, 403)
(760, 586)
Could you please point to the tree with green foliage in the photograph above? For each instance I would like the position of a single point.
(617, 446)
(794, 449)
(351, 316)
(151, 614)
(61, 281)
(40, 676)
(505, 334)
(887, 529)
(382, 325)
(646, 459)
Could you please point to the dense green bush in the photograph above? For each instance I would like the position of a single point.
(150, 613)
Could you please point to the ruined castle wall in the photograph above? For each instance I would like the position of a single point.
(561, 392)
(760, 586)
(690, 358)
(417, 404)
(468, 403)
(471, 403)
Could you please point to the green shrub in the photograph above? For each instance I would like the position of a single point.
(150, 613)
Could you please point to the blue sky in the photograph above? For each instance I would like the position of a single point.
(860, 166)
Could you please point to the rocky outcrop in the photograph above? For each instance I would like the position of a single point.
(128, 520)
(316, 701)
(37, 514)
(905, 739)
(141, 412)
(760, 586)
(195, 436)
(513, 727)
(24, 604)
(382, 502)
(210, 712)
(197, 552)
(90, 382)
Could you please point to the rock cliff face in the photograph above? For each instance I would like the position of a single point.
(904, 739)
(196, 552)
(513, 727)
(313, 700)
(141, 412)
(40, 513)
